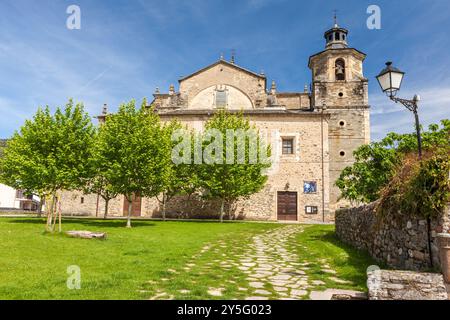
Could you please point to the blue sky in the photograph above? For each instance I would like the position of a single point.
(126, 48)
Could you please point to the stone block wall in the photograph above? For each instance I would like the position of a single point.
(401, 243)
(405, 285)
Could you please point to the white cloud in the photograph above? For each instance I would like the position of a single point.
(387, 116)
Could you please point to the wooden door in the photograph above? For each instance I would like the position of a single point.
(287, 206)
(135, 208)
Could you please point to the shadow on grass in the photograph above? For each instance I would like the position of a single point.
(352, 266)
(88, 222)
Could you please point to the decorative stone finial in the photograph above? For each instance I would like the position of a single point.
(221, 56)
(306, 89)
(105, 109)
(273, 88)
(172, 89)
(233, 56)
(157, 90)
(262, 72)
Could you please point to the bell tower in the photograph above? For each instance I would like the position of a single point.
(340, 88)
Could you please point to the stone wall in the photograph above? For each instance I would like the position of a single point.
(401, 243)
(405, 285)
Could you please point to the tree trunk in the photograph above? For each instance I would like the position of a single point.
(130, 207)
(106, 209)
(55, 213)
(164, 207)
(50, 214)
(39, 213)
(96, 207)
(59, 214)
(222, 204)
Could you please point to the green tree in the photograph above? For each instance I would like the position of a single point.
(98, 182)
(2, 146)
(376, 163)
(137, 158)
(182, 178)
(50, 153)
(231, 136)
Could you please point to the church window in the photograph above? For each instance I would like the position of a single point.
(336, 36)
(288, 146)
(82, 200)
(340, 69)
(310, 187)
(221, 98)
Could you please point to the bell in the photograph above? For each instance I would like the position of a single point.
(339, 71)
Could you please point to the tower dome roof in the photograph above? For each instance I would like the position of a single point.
(336, 37)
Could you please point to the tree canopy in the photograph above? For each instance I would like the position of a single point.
(376, 163)
(49, 152)
(135, 159)
(234, 159)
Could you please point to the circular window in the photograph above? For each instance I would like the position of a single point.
(342, 153)
(342, 123)
(341, 94)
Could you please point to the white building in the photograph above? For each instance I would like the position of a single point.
(13, 199)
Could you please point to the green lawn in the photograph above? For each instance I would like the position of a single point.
(319, 245)
(150, 258)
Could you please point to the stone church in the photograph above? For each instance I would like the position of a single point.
(316, 132)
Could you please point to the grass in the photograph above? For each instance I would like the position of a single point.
(34, 264)
(319, 245)
(151, 258)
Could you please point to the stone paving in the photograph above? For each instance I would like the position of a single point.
(273, 271)
(271, 266)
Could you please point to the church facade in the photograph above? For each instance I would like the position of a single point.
(313, 134)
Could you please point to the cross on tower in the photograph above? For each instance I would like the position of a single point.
(335, 17)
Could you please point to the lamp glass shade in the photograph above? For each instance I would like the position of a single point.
(390, 79)
(385, 81)
(396, 79)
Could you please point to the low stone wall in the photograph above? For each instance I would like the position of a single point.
(405, 285)
(401, 243)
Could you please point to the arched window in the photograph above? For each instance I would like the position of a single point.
(340, 69)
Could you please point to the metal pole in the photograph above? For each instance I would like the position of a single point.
(419, 138)
(419, 145)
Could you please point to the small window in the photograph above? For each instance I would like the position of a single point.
(341, 94)
(311, 209)
(310, 187)
(342, 123)
(336, 36)
(288, 146)
(19, 194)
(82, 200)
(342, 153)
(221, 98)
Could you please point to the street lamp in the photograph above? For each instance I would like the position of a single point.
(390, 80)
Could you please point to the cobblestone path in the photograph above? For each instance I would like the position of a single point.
(261, 267)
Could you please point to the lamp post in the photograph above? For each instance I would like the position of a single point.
(390, 80)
